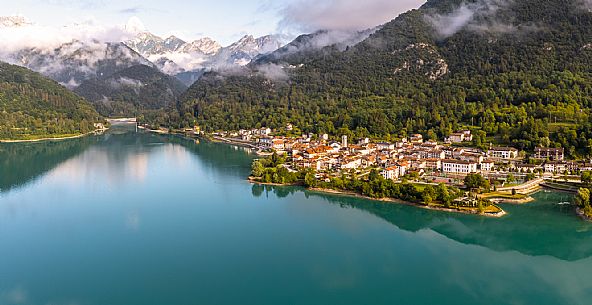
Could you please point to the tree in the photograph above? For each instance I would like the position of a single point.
(475, 181)
(310, 180)
(583, 198)
(257, 169)
(587, 177)
(373, 175)
(511, 178)
(427, 199)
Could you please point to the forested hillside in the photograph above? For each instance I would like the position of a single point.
(32, 106)
(132, 91)
(516, 72)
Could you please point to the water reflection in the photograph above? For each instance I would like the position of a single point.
(22, 163)
(543, 228)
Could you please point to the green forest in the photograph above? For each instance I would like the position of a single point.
(32, 107)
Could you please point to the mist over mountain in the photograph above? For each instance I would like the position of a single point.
(132, 90)
(177, 57)
(74, 62)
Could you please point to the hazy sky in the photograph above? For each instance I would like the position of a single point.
(223, 20)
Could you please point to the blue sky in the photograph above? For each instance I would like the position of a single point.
(223, 20)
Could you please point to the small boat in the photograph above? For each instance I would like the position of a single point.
(564, 203)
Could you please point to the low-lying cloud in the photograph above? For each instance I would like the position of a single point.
(478, 17)
(348, 15)
(274, 72)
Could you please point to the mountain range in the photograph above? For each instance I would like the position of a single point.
(95, 69)
(175, 56)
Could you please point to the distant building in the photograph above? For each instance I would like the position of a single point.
(417, 139)
(344, 141)
(459, 137)
(393, 172)
(364, 141)
(502, 153)
(266, 142)
(458, 166)
(487, 165)
(278, 144)
(385, 146)
(553, 154)
(555, 167)
(265, 131)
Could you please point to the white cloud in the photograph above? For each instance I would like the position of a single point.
(313, 15)
(46, 37)
(274, 72)
(463, 16)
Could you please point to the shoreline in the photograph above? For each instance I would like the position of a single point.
(582, 216)
(408, 203)
(385, 200)
(54, 138)
(526, 200)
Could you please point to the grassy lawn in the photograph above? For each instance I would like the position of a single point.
(490, 209)
(420, 187)
(504, 195)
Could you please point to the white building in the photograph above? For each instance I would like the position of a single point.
(555, 167)
(265, 131)
(487, 165)
(459, 137)
(266, 142)
(385, 146)
(457, 166)
(351, 163)
(393, 172)
(502, 153)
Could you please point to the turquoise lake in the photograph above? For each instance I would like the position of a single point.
(130, 218)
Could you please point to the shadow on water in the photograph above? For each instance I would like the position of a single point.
(22, 163)
(226, 159)
(543, 228)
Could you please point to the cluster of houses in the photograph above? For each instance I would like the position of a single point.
(406, 156)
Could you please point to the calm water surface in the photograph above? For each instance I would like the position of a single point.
(130, 218)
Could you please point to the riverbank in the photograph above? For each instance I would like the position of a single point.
(55, 138)
(468, 211)
(256, 181)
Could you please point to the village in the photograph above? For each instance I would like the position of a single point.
(447, 162)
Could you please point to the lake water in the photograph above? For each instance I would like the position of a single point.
(132, 218)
